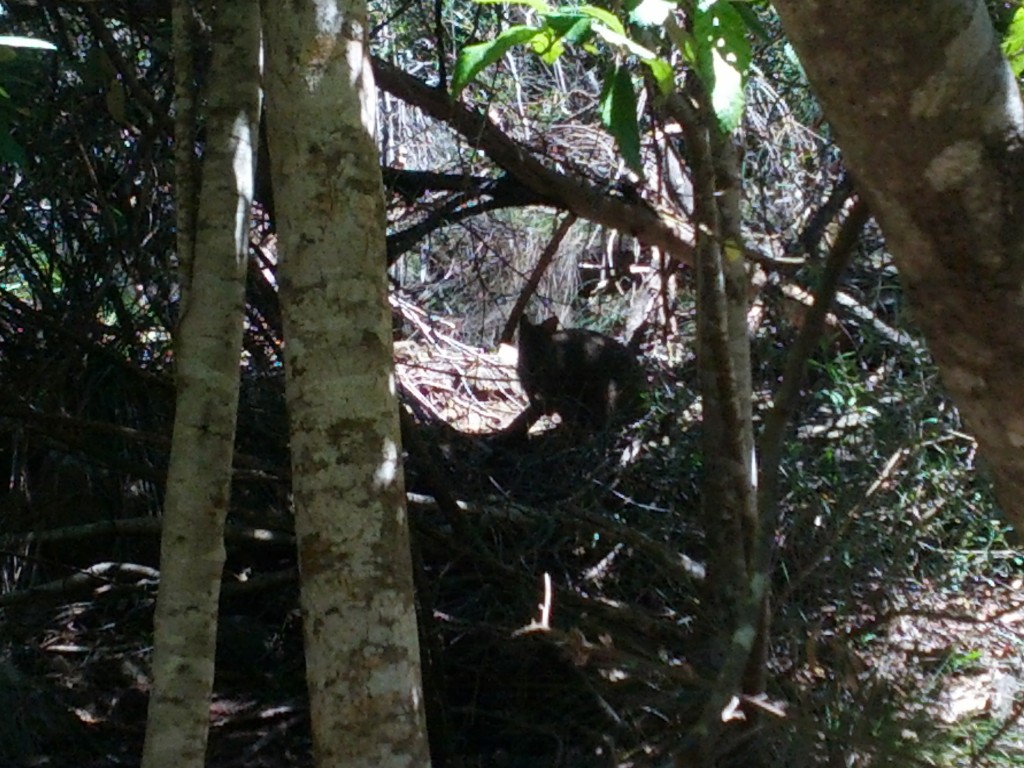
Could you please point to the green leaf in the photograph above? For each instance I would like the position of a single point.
(727, 98)
(664, 75)
(651, 13)
(574, 28)
(473, 59)
(723, 57)
(618, 114)
(607, 18)
(621, 41)
(719, 26)
(15, 41)
(1013, 42)
(548, 45)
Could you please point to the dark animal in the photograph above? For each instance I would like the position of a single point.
(587, 378)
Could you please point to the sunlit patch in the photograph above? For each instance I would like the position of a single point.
(387, 470)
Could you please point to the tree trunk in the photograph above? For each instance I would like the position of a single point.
(736, 579)
(930, 121)
(208, 346)
(362, 653)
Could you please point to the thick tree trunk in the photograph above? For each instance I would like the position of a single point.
(930, 121)
(208, 346)
(362, 653)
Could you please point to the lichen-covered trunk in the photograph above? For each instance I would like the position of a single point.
(362, 654)
(930, 121)
(213, 241)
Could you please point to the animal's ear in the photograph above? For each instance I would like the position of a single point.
(550, 325)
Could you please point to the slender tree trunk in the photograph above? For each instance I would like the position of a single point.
(362, 652)
(208, 345)
(736, 579)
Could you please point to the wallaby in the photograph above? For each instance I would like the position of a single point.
(585, 377)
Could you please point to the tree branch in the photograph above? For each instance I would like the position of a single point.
(637, 218)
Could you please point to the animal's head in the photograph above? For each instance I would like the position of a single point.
(532, 335)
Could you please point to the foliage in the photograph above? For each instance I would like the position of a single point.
(717, 48)
(721, 54)
(581, 26)
(1013, 42)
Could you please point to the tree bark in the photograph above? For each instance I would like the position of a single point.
(735, 572)
(930, 121)
(208, 346)
(362, 652)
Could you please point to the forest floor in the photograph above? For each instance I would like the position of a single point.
(75, 693)
(922, 669)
